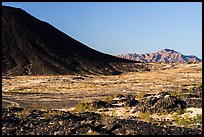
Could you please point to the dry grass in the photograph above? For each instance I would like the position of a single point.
(64, 91)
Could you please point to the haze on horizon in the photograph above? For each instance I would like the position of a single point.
(125, 27)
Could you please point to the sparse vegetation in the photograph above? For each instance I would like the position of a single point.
(76, 96)
(197, 118)
(181, 111)
(191, 89)
(186, 120)
(145, 116)
(52, 113)
(80, 107)
(85, 106)
(24, 113)
(199, 85)
(109, 117)
(109, 99)
(103, 115)
(140, 95)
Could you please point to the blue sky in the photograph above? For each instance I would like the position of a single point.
(125, 27)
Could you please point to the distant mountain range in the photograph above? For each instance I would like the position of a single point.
(165, 55)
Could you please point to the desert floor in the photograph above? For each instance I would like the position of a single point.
(166, 100)
(64, 91)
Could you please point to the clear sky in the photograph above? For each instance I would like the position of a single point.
(125, 27)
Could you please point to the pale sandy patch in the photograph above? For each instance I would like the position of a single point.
(193, 112)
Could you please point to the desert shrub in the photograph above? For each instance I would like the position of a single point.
(140, 95)
(103, 115)
(181, 111)
(109, 99)
(197, 118)
(198, 85)
(81, 107)
(108, 117)
(24, 113)
(200, 95)
(145, 115)
(186, 120)
(126, 106)
(51, 113)
(85, 106)
(191, 89)
(178, 94)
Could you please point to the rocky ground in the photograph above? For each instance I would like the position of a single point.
(93, 118)
(82, 124)
(165, 101)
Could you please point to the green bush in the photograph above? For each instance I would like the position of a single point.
(187, 121)
(109, 99)
(84, 106)
(145, 116)
(198, 85)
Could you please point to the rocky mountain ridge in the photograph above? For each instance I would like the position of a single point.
(165, 55)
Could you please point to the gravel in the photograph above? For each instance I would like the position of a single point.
(39, 122)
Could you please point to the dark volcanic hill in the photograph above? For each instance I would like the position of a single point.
(165, 55)
(34, 47)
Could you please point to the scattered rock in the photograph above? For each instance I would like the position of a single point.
(194, 98)
(122, 100)
(194, 102)
(101, 104)
(159, 103)
(130, 101)
(90, 123)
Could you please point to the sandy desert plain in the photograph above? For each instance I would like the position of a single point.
(106, 97)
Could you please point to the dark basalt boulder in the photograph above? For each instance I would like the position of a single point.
(194, 102)
(68, 123)
(130, 101)
(101, 104)
(197, 92)
(170, 103)
(124, 100)
(160, 102)
(194, 98)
